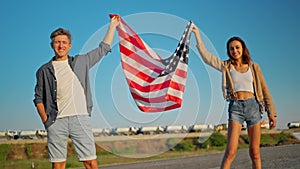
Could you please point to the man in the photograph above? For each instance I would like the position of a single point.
(63, 98)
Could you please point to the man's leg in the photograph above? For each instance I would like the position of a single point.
(59, 165)
(91, 164)
(57, 143)
(82, 137)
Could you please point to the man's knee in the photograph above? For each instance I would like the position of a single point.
(91, 164)
(59, 165)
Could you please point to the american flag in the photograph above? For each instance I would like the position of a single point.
(156, 84)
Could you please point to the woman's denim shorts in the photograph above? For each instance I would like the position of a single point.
(244, 110)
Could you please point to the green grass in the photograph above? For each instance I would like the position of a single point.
(4, 150)
(268, 139)
(28, 150)
(26, 164)
(272, 139)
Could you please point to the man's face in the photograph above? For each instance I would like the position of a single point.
(61, 46)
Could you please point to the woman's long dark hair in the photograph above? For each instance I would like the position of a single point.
(246, 54)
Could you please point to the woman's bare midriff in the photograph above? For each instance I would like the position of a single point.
(243, 95)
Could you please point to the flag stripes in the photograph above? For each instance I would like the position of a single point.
(155, 84)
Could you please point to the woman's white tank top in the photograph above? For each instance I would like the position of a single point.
(242, 81)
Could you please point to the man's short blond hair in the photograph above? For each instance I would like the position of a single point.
(60, 31)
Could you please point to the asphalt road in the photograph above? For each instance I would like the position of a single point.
(277, 157)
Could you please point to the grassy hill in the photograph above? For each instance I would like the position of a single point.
(28, 154)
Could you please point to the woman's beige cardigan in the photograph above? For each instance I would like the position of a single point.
(261, 90)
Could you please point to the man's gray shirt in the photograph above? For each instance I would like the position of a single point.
(46, 86)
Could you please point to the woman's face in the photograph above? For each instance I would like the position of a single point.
(236, 50)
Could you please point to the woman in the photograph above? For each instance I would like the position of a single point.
(244, 87)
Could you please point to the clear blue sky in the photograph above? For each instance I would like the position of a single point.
(270, 29)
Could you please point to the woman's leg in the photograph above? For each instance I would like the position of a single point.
(254, 149)
(233, 135)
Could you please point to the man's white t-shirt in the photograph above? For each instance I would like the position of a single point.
(70, 94)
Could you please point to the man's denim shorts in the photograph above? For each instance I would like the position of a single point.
(244, 110)
(78, 129)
